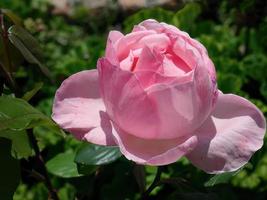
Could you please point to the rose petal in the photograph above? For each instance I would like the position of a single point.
(182, 107)
(186, 52)
(151, 24)
(111, 48)
(149, 60)
(126, 102)
(160, 42)
(187, 48)
(153, 152)
(229, 138)
(174, 66)
(130, 42)
(149, 78)
(128, 63)
(79, 109)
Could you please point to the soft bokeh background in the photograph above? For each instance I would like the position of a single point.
(73, 33)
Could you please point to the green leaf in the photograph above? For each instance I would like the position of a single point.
(86, 169)
(63, 165)
(28, 46)
(12, 16)
(91, 154)
(21, 146)
(221, 178)
(16, 114)
(9, 171)
(28, 95)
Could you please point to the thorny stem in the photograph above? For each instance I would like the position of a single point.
(153, 185)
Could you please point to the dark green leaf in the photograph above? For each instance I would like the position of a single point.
(16, 114)
(12, 16)
(28, 95)
(28, 46)
(9, 171)
(221, 178)
(63, 165)
(21, 146)
(86, 169)
(91, 154)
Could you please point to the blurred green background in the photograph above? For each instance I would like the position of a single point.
(73, 38)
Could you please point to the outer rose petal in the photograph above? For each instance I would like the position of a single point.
(153, 152)
(126, 101)
(228, 139)
(79, 109)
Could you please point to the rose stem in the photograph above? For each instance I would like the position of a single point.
(153, 185)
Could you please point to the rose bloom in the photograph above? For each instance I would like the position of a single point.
(154, 95)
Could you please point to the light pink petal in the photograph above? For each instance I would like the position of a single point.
(126, 101)
(160, 42)
(149, 60)
(228, 139)
(131, 42)
(148, 78)
(79, 109)
(173, 66)
(138, 28)
(173, 31)
(151, 24)
(188, 49)
(111, 48)
(153, 152)
(128, 63)
(186, 52)
(161, 111)
(182, 107)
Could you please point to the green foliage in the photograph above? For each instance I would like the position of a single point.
(63, 165)
(27, 45)
(152, 13)
(185, 18)
(28, 95)
(97, 155)
(21, 147)
(9, 171)
(16, 114)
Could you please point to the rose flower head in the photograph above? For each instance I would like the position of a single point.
(154, 95)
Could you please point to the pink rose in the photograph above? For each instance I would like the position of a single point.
(154, 95)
